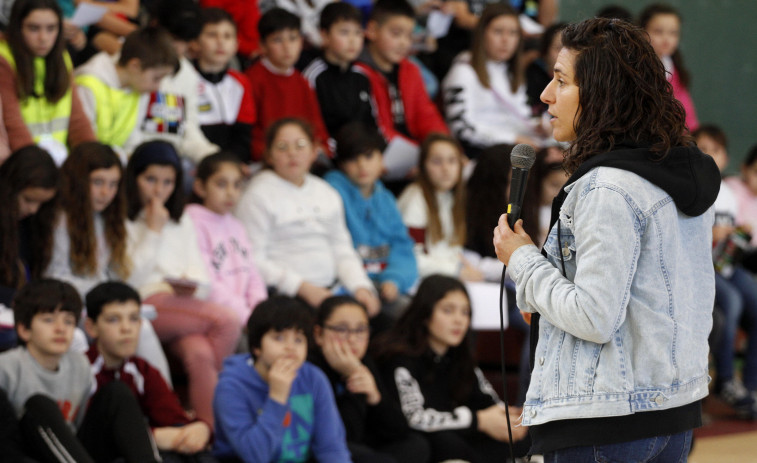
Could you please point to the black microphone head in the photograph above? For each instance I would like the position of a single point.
(523, 156)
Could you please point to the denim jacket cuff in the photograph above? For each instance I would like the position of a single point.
(520, 258)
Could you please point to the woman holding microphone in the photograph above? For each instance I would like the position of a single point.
(623, 291)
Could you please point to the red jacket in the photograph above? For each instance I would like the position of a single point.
(421, 115)
(157, 401)
(282, 95)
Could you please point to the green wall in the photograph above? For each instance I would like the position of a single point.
(719, 46)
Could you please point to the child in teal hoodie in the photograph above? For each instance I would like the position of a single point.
(376, 226)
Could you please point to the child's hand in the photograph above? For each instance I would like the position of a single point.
(389, 291)
(493, 422)
(312, 294)
(166, 438)
(363, 382)
(156, 215)
(340, 357)
(192, 438)
(470, 273)
(369, 300)
(280, 378)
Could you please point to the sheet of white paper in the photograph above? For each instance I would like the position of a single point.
(484, 299)
(6, 317)
(400, 156)
(438, 23)
(87, 14)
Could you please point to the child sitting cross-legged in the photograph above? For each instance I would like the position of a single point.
(273, 405)
(113, 321)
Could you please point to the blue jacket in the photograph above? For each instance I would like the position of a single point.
(257, 429)
(625, 329)
(378, 233)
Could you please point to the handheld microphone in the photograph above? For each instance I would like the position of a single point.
(522, 159)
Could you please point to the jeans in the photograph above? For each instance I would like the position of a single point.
(737, 299)
(660, 449)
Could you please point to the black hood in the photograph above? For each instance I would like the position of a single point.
(689, 176)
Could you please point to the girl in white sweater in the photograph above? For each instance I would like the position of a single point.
(484, 92)
(170, 274)
(296, 223)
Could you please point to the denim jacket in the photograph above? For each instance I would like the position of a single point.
(625, 330)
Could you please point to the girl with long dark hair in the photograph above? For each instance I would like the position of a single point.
(36, 81)
(427, 363)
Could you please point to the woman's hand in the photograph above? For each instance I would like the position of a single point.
(506, 241)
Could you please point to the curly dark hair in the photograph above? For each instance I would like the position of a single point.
(623, 92)
(76, 205)
(28, 167)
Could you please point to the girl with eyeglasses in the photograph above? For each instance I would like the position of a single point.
(376, 430)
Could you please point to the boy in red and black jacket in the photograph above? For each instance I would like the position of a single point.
(113, 321)
(403, 106)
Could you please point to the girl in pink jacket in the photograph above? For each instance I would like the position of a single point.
(223, 241)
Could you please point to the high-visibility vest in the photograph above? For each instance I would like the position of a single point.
(115, 110)
(40, 115)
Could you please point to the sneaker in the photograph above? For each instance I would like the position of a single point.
(737, 396)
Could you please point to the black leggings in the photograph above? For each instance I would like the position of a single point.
(113, 427)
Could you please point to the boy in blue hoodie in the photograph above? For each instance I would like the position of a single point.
(376, 226)
(273, 405)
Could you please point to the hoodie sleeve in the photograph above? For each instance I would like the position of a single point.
(426, 419)
(329, 438)
(464, 115)
(253, 426)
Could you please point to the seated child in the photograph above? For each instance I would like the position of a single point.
(403, 106)
(745, 189)
(273, 405)
(278, 89)
(428, 366)
(374, 221)
(224, 101)
(376, 429)
(113, 322)
(45, 389)
(225, 247)
(110, 87)
(246, 15)
(343, 90)
(735, 290)
(433, 209)
(296, 224)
